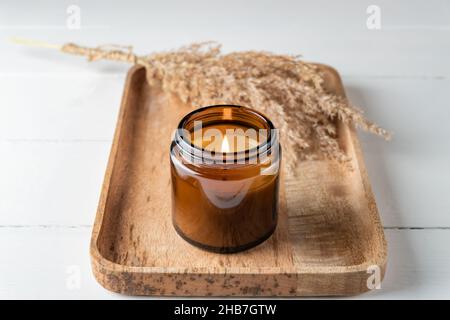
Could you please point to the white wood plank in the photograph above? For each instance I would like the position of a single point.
(59, 107)
(45, 263)
(54, 183)
(413, 39)
(410, 175)
(418, 266)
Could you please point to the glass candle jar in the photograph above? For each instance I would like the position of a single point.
(225, 162)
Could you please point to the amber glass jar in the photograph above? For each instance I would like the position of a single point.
(225, 164)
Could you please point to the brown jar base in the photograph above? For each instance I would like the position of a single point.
(236, 249)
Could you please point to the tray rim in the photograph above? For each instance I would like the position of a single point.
(98, 260)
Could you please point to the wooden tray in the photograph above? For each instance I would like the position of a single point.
(328, 234)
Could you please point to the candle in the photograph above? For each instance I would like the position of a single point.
(225, 176)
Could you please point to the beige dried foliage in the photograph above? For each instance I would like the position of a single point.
(288, 90)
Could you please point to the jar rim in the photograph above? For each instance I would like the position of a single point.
(193, 150)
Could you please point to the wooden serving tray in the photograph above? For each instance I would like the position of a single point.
(328, 235)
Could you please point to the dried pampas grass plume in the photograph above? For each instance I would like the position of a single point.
(288, 90)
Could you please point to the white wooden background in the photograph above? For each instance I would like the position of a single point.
(58, 113)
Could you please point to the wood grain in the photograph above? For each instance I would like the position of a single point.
(329, 231)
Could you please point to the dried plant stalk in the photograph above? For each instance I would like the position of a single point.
(288, 90)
